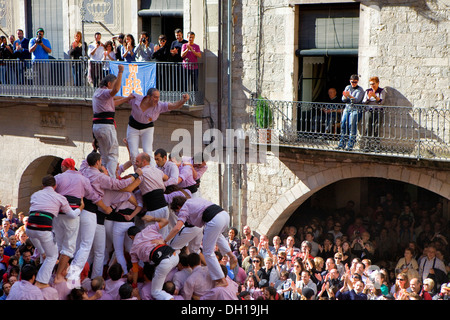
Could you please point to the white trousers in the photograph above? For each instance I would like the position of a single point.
(212, 235)
(109, 248)
(122, 242)
(146, 137)
(188, 236)
(66, 233)
(44, 242)
(86, 233)
(159, 277)
(108, 145)
(98, 251)
(159, 213)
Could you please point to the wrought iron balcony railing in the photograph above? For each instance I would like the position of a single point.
(78, 79)
(409, 132)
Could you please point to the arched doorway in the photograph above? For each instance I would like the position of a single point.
(30, 181)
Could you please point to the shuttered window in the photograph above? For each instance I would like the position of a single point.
(158, 8)
(332, 28)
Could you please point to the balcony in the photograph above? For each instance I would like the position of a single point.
(60, 80)
(406, 132)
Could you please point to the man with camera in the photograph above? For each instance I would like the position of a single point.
(144, 50)
(40, 48)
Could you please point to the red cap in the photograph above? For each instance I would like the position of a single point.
(69, 163)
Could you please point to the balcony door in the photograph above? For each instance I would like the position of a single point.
(42, 14)
(328, 48)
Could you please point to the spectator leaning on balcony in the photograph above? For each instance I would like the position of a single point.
(21, 52)
(5, 53)
(144, 50)
(118, 48)
(352, 94)
(374, 97)
(175, 56)
(40, 49)
(95, 53)
(161, 53)
(21, 46)
(75, 53)
(129, 49)
(190, 52)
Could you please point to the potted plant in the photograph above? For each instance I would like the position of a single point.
(264, 120)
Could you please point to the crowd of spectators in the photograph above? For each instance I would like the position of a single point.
(121, 47)
(396, 252)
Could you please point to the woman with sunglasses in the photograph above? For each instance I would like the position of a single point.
(399, 289)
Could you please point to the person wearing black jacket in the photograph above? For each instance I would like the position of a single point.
(161, 53)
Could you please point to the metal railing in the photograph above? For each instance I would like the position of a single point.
(78, 79)
(410, 132)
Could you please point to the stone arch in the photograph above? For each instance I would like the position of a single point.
(30, 172)
(287, 203)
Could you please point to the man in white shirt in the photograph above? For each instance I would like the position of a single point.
(95, 53)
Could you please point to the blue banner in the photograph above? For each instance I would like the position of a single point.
(137, 77)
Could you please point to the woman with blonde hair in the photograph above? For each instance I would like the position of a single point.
(428, 286)
(399, 289)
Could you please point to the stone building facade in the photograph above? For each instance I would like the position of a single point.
(404, 43)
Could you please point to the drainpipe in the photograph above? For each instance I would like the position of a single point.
(219, 95)
(228, 160)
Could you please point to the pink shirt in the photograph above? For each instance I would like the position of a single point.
(152, 179)
(198, 167)
(198, 283)
(50, 293)
(151, 114)
(180, 277)
(102, 101)
(48, 200)
(105, 295)
(171, 170)
(142, 243)
(222, 293)
(187, 176)
(63, 288)
(146, 291)
(112, 287)
(117, 199)
(190, 57)
(169, 197)
(192, 211)
(73, 183)
(24, 290)
(100, 181)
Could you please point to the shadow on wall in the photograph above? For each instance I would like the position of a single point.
(424, 8)
(396, 98)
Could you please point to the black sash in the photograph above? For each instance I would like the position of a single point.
(89, 205)
(154, 200)
(138, 125)
(74, 202)
(104, 117)
(211, 212)
(40, 220)
(119, 216)
(161, 252)
(193, 189)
